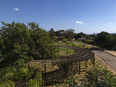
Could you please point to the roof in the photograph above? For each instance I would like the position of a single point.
(58, 37)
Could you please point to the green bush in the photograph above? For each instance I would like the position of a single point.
(75, 45)
(7, 74)
(37, 81)
(38, 77)
(71, 81)
(64, 40)
(7, 83)
(20, 63)
(88, 47)
(89, 41)
(95, 78)
(34, 83)
(99, 78)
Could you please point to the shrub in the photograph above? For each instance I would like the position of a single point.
(89, 41)
(95, 78)
(7, 84)
(99, 78)
(34, 83)
(113, 48)
(88, 47)
(71, 81)
(64, 40)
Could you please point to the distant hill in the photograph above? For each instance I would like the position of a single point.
(113, 33)
(98, 33)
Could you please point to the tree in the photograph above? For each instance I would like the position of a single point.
(51, 30)
(80, 35)
(69, 33)
(60, 33)
(104, 39)
(20, 42)
(51, 33)
(19, 45)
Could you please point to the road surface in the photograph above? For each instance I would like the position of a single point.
(111, 60)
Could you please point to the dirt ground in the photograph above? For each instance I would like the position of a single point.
(111, 52)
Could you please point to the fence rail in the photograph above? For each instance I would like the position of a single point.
(58, 70)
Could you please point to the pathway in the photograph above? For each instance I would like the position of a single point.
(110, 59)
(108, 56)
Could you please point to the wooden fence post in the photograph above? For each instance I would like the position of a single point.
(86, 63)
(67, 50)
(79, 66)
(58, 47)
(72, 43)
(64, 68)
(93, 61)
(45, 66)
(42, 75)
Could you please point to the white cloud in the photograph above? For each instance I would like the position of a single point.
(111, 23)
(16, 9)
(79, 22)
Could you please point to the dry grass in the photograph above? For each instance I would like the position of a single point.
(98, 63)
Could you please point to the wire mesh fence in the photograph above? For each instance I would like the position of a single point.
(55, 71)
(58, 70)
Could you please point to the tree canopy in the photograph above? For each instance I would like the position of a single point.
(104, 39)
(25, 42)
(51, 33)
(69, 33)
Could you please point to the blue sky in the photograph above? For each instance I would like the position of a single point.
(87, 16)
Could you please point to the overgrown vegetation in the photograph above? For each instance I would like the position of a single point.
(94, 78)
(99, 76)
(65, 42)
(20, 44)
(18, 41)
(102, 39)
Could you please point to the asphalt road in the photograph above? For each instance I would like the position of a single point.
(111, 60)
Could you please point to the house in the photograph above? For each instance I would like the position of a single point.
(59, 38)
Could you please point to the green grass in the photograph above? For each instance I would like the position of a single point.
(60, 43)
(70, 51)
(64, 51)
(68, 43)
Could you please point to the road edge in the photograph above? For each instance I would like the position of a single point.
(110, 53)
(106, 64)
